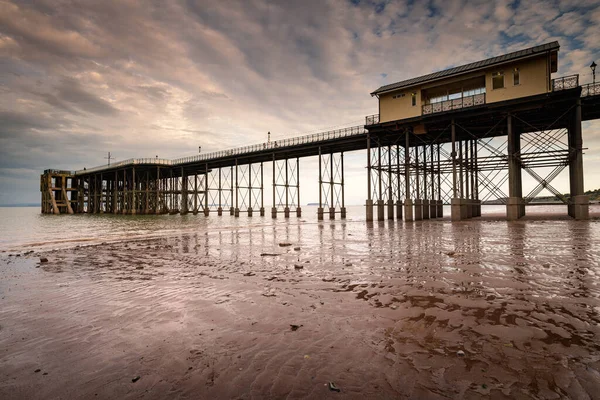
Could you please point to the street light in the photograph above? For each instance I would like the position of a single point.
(593, 67)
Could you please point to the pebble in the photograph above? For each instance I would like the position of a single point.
(460, 353)
(135, 379)
(140, 267)
(43, 260)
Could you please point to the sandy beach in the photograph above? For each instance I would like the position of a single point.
(431, 310)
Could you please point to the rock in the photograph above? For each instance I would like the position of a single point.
(43, 260)
(450, 253)
(546, 265)
(249, 273)
(333, 388)
(269, 254)
(460, 353)
(294, 328)
(139, 267)
(297, 248)
(37, 370)
(284, 244)
(298, 266)
(135, 379)
(394, 307)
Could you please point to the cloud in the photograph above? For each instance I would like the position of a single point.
(138, 78)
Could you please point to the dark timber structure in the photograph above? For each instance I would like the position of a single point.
(459, 151)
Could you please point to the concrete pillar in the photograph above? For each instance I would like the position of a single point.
(425, 209)
(236, 212)
(514, 206)
(331, 212)
(343, 213)
(579, 208)
(262, 211)
(298, 212)
(250, 211)
(432, 209)
(231, 211)
(440, 209)
(455, 210)
(418, 209)
(369, 210)
(220, 211)
(286, 212)
(380, 210)
(408, 210)
(464, 203)
(320, 213)
(399, 206)
(390, 209)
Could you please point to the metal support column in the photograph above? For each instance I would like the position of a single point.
(369, 204)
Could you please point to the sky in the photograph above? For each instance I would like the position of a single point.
(144, 78)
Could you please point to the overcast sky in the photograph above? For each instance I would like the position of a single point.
(145, 78)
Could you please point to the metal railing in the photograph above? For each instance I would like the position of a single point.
(565, 82)
(372, 119)
(590, 89)
(277, 144)
(455, 104)
(58, 172)
(131, 161)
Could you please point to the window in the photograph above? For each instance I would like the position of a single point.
(414, 98)
(498, 80)
(397, 96)
(516, 77)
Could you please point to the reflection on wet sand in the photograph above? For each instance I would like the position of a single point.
(427, 310)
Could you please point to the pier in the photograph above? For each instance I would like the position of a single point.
(453, 137)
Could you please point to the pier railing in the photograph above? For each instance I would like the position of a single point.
(372, 119)
(277, 144)
(454, 104)
(316, 137)
(591, 89)
(565, 82)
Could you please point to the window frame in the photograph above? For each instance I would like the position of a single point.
(516, 77)
(498, 74)
(413, 99)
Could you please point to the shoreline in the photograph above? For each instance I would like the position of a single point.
(383, 312)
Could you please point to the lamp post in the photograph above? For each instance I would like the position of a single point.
(593, 67)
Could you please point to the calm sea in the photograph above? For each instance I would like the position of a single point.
(26, 228)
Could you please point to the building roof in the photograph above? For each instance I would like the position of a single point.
(552, 46)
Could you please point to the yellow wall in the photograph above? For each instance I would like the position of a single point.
(391, 109)
(533, 80)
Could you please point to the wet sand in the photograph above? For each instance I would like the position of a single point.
(383, 310)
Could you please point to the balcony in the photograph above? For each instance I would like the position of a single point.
(372, 119)
(455, 104)
(565, 82)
